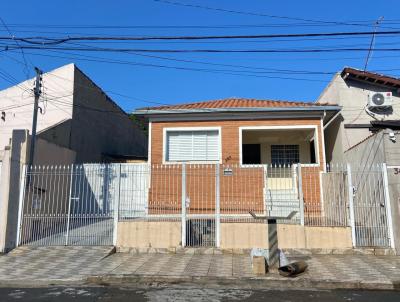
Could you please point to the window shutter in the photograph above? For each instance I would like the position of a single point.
(192, 146)
(213, 146)
(179, 146)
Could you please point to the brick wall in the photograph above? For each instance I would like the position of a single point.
(240, 192)
(230, 135)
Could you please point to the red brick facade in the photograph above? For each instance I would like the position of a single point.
(240, 192)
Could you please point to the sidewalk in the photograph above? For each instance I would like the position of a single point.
(34, 266)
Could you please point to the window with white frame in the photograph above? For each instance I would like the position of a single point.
(194, 145)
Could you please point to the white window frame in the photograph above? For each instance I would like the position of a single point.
(315, 127)
(192, 129)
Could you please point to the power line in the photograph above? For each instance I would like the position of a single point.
(190, 26)
(236, 41)
(13, 81)
(145, 50)
(55, 41)
(254, 14)
(215, 71)
(266, 70)
(372, 42)
(17, 43)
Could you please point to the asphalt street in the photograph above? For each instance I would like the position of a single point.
(189, 293)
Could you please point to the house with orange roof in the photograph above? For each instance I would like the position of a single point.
(235, 158)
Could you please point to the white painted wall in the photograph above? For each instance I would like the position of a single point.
(287, 137)
(17, 103)
(77, 115)
(352, 96)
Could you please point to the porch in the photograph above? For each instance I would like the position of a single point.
(279, 146)
(280, 150)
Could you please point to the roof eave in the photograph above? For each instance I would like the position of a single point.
(250, 109)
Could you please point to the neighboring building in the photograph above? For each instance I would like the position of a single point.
(242, 133)
(351, 89)
(77, 123)
(75, 114)
(367, 137)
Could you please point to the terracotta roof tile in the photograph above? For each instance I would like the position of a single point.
(234, 103)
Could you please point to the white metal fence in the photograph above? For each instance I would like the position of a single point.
(67, 205)
(371, 206)
(81, 204)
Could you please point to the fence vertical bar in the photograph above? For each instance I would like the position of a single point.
(301, 198)
(183, 212)
(22, 189)
(69, 206)
(116, 207)
(217, 207)
(351, 205)
(388, 205)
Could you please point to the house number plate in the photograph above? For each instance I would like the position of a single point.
(228, 172)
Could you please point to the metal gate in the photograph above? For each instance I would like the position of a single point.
(200, 193)
(371, 206)
(68, 205)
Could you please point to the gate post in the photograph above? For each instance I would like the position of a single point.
(388, 205)
(183, 212)
(351, 205)
(22, 189)
(69, 205)
(116, 207)
(217, 207)
(301, 197)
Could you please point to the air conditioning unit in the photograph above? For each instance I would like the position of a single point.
(380, 99)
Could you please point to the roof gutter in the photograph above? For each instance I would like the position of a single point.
(331, 120)
(241, 109)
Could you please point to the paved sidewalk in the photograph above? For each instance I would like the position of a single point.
(83, 265)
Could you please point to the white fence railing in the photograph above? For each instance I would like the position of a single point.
(80, 204)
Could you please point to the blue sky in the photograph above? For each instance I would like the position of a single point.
(175, 81)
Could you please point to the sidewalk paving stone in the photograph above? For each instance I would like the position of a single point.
(52, 264)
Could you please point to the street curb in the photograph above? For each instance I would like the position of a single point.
(261, 282)
(42, 282)
(267, 282)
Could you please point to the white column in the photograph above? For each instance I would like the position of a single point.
(183, 214)
(351, 204)
(301, 198)
(217, 207)
(388, 205)
(116, 206)
(69, 206)
(21, 204)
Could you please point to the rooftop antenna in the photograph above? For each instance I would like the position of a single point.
(371, 45)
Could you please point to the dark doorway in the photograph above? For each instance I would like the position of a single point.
(251, 154)
(312, 153)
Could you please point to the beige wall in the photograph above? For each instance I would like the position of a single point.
(163, 234)
(144, 234)
(244, 235)
(47, 153)
(105, 130)
(249, 235)
(352, 96)
(300, 237)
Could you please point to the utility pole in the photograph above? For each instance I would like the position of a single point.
(37, 90)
